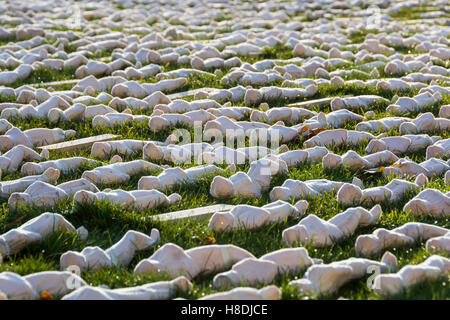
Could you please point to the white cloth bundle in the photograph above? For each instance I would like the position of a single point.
(119, 172)
(204, 260)
(252, 271)
(249, 184)
(405, 235)
(161, 290)
(244, 293)
(50, 175)
(173, 177)
(33, 231)
(317, 232)
(430, 168)
(429, 202)
(65, 165)
(30, 287)
(366, 102)
(410, 275)
(33, 137)
(120, 254)
(326, 279)
(249, 217)
(296, 189)
(138, 199)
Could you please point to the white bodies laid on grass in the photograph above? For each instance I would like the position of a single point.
(161, 290)
(120, 254)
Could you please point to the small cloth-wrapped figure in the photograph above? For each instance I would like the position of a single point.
(326, 279)
(223, 154)
(120, 254)
(251, 184)
(33, 231)
(415, 104)
(225, 127)
(340, 118)
(112, 120)
(252, 271)
(65, 166)
(32, 286)
(236, 113)
(351, 195)
(173, 177)
(439, 149)
(250, 217)
(203, 260)
(383, 125)
(400, 144)
(405, 235)
(444, 112)
(33, 137)
(317, 232)
(290, 115)
(441, 243)
(104, 150)
(176, 153)
(120, 172)
(296, 189)
(430, 168)
(134, 89)
(161, 290)
(75, 113)
(246, 293)
(182, 106)
(410, 275)
(425, 122)
(73, 186)
(366, 102)
(162, 121)
(8, 187)
(12, 159)
(337, 137)
(39, 194)
(138, 199)
(354, 161)
(41, 111)
(429, 202)
(4, 126)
